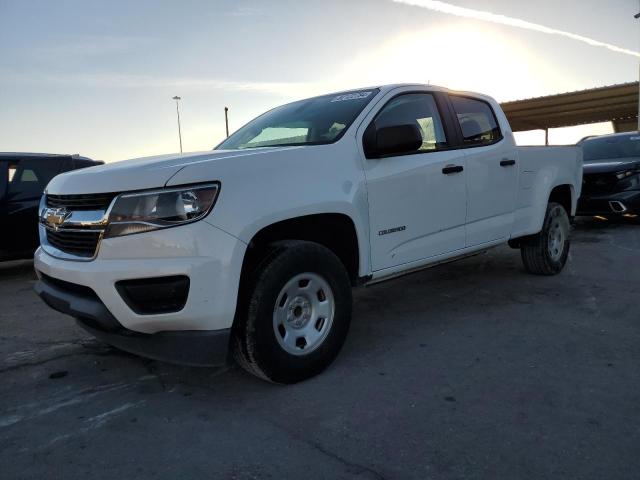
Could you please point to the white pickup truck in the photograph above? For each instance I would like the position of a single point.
(252, 249)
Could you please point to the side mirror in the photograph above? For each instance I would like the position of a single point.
(395, 140)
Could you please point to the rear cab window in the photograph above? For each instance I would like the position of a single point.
(477, 121)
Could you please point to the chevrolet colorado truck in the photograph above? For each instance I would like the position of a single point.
(250, 251)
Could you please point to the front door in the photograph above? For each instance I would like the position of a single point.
(417, 201)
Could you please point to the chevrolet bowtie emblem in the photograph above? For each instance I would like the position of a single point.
(54, 217)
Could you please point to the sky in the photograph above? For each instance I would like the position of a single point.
(97, 77)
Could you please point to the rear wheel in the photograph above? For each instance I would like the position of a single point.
(297, 315)
(546, 253)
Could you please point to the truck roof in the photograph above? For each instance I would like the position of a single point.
(43, 156)
(391, 86)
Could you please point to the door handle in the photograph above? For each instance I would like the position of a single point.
(452, 169)
(507, 162)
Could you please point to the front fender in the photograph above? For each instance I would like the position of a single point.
(258, 192)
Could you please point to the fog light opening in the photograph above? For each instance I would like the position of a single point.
(149, 296)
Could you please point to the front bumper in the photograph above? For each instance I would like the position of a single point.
(197, 348)
(613, 204)
(196, 334)
(210, 257)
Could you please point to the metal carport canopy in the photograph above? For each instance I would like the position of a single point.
(614, 103)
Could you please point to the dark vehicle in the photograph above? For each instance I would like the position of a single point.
(23, 178)
(611, 180)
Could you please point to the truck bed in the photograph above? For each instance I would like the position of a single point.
(538, 167)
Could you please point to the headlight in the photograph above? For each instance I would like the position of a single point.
(151, 210)
(626, 174)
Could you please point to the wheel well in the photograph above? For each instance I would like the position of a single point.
(562, 194)
(333, 230)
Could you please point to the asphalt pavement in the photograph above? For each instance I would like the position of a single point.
(470, 370)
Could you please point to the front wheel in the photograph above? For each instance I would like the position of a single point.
(298, 314)
(546, 253)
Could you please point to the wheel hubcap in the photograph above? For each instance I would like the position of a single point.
(558, 233)
(303, 313)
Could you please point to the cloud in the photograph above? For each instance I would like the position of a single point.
(242, 11)
(115, 80)
(443, 7)
(68, 46)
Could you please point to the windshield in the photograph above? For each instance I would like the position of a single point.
(618, 146)
(315, 121)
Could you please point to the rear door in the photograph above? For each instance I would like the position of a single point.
(27, 179)
(491, 170)
(417, 201)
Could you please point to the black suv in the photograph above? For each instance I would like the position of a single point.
(611, 179)
(23, 178)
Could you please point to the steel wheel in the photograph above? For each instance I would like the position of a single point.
(546, 252)
(294, 322)
(303, 313)
(558, 234)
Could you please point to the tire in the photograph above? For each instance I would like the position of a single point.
(296, 315)
(546, 253)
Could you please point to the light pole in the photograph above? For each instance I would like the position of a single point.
(226, 119)
(177, 99)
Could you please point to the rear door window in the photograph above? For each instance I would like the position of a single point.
(12, 171)
(477, 121)
(29, 177)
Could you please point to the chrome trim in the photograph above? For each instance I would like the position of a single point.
(87, 218)
(90, 221)
(65, 229)
(618, 208)
(84, 218)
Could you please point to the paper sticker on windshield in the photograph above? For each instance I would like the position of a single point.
(351, 96)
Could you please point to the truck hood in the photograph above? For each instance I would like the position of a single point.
(141, 173)
(611, 165)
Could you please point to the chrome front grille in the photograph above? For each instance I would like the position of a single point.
(82, 243)
(71, 226)
(98, 201)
